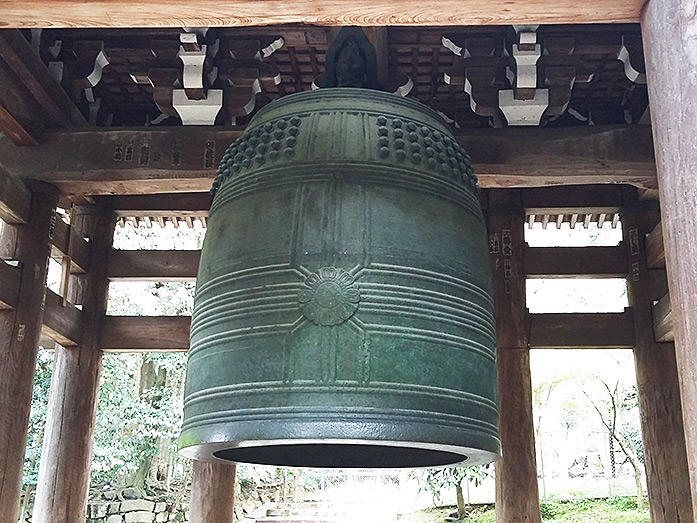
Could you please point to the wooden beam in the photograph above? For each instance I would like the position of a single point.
(20, 330)
(207, 13)
(212, 492)
(33, 74)
(670, 50)
(583, 199)
(184, 205)
(62, 323)
(655, 251)
(79, 252)
(145, 265)
(658, 389)
(15, 198)
(582, 330)
(145, 333)
(64, 471)
(517, 493)
(9, 285)
(96, 163)
(575, 262)
(663, 320)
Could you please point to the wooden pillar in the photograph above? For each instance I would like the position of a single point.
(64, 470)
(212, 493)
(669, 29)
(662, 428)
(517, 495)
(19, 341)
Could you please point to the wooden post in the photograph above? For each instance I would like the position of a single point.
(64, 470)
(517, 495)
(670, 49)
(212, 493)
(662, 428)
(19, 341)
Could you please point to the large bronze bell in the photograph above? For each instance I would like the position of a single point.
(343, 314)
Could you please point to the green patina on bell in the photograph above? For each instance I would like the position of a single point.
(343, 314)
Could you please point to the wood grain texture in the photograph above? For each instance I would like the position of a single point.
(516, 472)
(575, 262)
(15, 199)
(9, 285)
(658, 389)
(80, 250)
(582, 330)
(663, 320)
(145, 265)
(89, 163)
(19, 338)
(145, 333)
(180, 13)
(655, 251)
(64, 470)
(212, 493)
(61, 323)
(670, 49)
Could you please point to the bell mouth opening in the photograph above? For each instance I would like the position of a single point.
(340, 456)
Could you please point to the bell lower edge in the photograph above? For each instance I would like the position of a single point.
(339, 444)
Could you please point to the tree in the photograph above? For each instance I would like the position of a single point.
(438, 479)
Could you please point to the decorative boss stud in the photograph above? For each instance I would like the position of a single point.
(329, 296)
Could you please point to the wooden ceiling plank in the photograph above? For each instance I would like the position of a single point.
(216, 13)
(83, 163)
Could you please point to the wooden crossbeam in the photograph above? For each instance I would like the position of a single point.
(191, 205)
(62, 323)
(145, 333)
(655, 251)
(79, 251)
(144, 265)
(15, 199)
(206, 13)
(663, 320)
(575, 262)
(584, 199)
(95, 163)
(9, 285)
(582, 331)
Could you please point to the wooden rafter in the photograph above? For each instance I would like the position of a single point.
(82, 163)
(655, 251)
(15, 199)
(30, 99)
(9, 285)
(663, 320)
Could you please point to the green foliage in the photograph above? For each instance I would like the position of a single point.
(37, 418)
(612, 510)
(435, 480)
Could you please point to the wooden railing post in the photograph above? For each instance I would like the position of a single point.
(212, 493)
(64, 470)
(662, 428)
(670, 49)
(19, 340)
(517, 494)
